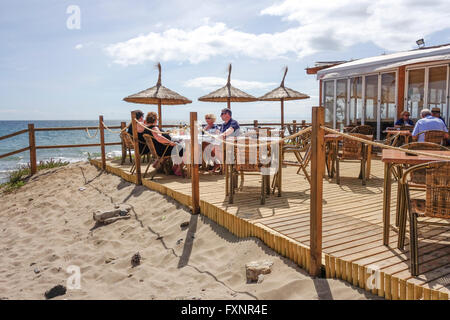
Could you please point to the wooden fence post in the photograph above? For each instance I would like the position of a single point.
(102, 141)
(137, 154)
(317, 171)
(32, 141)
(255, 123)
(195, 180)
(124, 150)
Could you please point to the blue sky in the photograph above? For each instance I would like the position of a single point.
(48, 71)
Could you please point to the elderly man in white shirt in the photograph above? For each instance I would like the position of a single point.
(428, 122)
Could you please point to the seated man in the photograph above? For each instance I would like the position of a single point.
(428, 122)
(404, 120)
(230, 127)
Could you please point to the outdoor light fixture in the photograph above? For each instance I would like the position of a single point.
(420, 43)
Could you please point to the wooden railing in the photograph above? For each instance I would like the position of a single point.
(32, 147)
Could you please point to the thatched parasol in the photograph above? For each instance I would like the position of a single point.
(282, 94)
(158, 95)
(228, 94)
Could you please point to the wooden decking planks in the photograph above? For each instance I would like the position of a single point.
(352, 227)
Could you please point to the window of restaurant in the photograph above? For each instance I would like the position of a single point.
(329, 100)
(416, 92)
(356, 101)
(428, 87)
(371, 100)
(437, 89)
(341, 103)
(388, 105)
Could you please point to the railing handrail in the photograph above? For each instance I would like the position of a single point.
(10, 135)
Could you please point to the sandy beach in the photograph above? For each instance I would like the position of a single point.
(47, 225)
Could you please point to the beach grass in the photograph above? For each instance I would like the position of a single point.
(18, 178)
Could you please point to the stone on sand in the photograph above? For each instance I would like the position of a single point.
(256, 268)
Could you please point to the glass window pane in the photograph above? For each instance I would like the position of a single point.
(355, 99)
(388, 104)
(371, 98)
(329, 101)
(437, 86)
(416, 84)
(341, 103)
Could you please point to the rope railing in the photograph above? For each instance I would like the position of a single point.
(115, 131)
(377, 144)
(90, 136)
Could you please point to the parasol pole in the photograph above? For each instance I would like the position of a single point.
(158, 84)
(282, 117)
(229, 86)
(282, 103)
(159, 114)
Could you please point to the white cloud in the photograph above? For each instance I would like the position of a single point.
(322, 26)
(79, 46)
(211, 83)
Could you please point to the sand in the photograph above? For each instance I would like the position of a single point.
(47, 226)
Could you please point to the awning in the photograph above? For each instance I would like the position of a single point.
(385, 62)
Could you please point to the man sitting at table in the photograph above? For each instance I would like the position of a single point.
(230, 127)
(404, 120)
(428, 122)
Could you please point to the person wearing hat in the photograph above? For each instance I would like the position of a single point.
(428, 122)
(404, 120)
(436, 112)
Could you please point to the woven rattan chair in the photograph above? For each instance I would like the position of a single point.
(418, 177)
(163, 162)
(128, 144)
(363, 129)
(433, 136)
(353, 150)
(246, 162)
(436, 204)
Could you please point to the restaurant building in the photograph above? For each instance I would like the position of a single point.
(376, 90)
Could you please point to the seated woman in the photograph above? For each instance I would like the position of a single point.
(404, 120)
(143, 149)
(162, 141)
(211, 127)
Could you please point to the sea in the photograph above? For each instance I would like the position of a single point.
(14, 162)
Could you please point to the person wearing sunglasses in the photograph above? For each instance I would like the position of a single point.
(404, 120)
(211, 127)
(230, 127)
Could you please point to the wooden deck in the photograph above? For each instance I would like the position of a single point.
(352, 227)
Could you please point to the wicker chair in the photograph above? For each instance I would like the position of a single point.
(434, 136)
(128, 144)
(436, 204)
(417, 178)
(353, 150)
(363, 129)
(163, 162)
(247, 163)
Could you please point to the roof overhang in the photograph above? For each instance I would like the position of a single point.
(385, 62)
